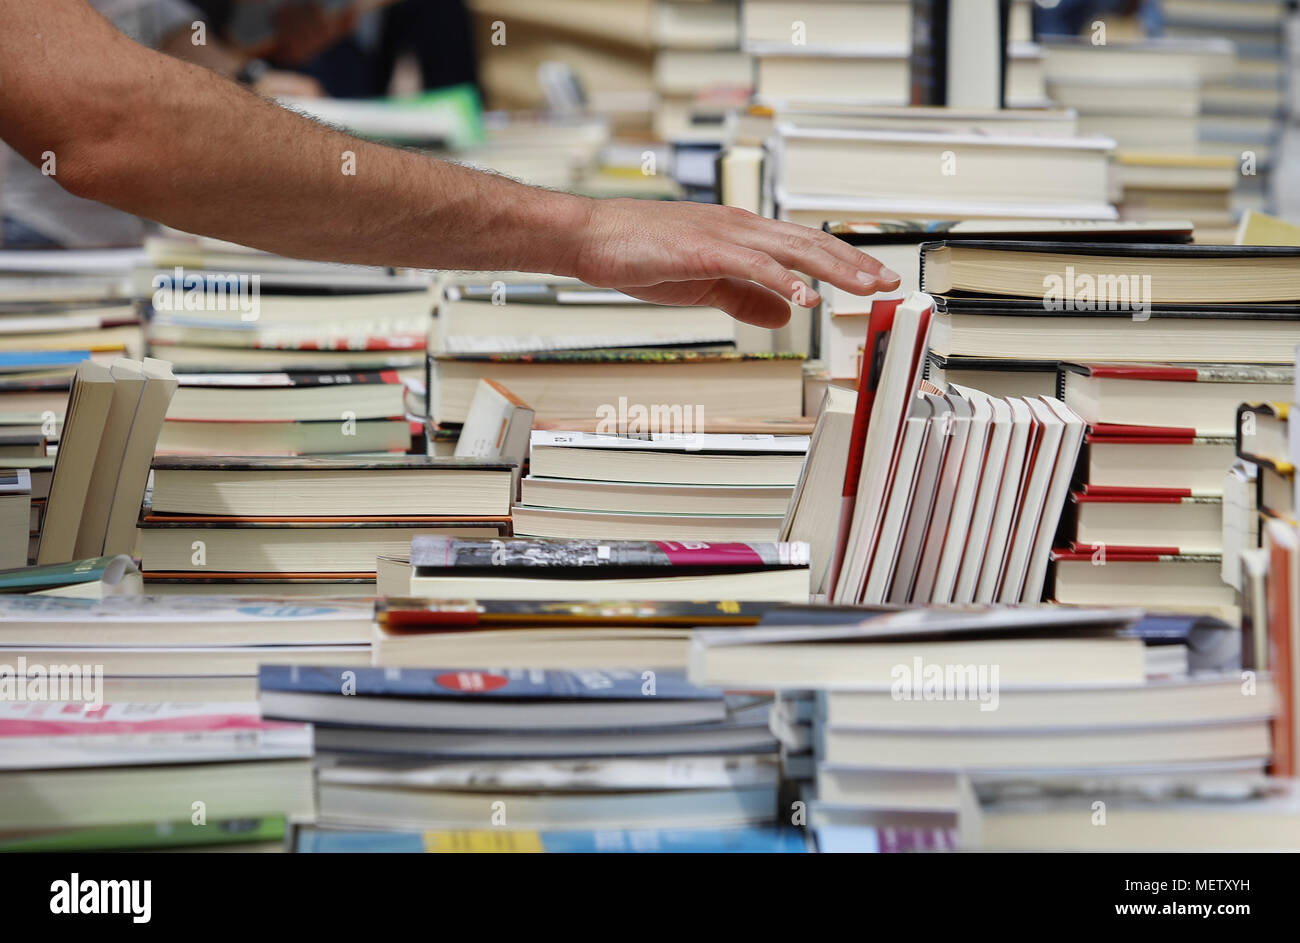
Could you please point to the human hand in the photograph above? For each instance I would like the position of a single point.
(701, 254)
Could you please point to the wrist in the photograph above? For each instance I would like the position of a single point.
(565, 220)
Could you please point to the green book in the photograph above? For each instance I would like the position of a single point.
(157, 835)
(117, 574)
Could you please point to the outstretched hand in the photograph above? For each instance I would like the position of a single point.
(701, 254)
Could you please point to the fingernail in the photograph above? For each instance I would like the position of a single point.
(889, 275)
(867, 278)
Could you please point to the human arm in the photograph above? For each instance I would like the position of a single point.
(176, 143)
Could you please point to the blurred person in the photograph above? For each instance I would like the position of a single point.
(40, 214)
(179, 144)
(1074, 17)
(352, 48)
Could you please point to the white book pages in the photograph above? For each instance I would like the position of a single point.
(939, 531)
(1058, 490)
(1007, 503)
(963, 505)
(990, 485)
(1038, 479)
(901, 488)
(918, 517)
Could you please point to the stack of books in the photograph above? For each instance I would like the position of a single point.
(1148, 96)
(600, 570)
(1198, 187)
(153, 649)
(1186, 332)
(1243, 113)
(908, 705)
(826, 51)
(308, 526)
(843, 318)
(699, 68)
(459, 748)
(284, 357)
(825, 174)
(178, 776)
(497, 314)
(576, 384)
(58, 308)
(694, 486)
(1156, 489)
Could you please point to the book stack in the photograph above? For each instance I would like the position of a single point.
(560, 347)
(307, 526)
(1148, 96)
(496, 313)
(833, 173)
(696, 486)
(577, 54)
(827, 51)
(564, 569)
(908, 706)
(576, 384)
(842, 318)
(178, 776)
(57, 308)
(699, 69)
(284, 357)
(1243, 113)
(449, 748)
(173, 649)
(1159, 421)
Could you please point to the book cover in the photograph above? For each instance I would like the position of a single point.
(481, 684)
(740, 840)
(110, 570)
(443, 553)
(324, 464)
(398, 614)
(620, 356)
(288, 380)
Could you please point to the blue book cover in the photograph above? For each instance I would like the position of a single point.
(485, 683)
(14, 359)
(754, 840)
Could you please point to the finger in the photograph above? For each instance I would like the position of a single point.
(823, 256)
(747, 302)
(729, 260)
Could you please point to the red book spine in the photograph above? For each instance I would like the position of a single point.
(1281, 657)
